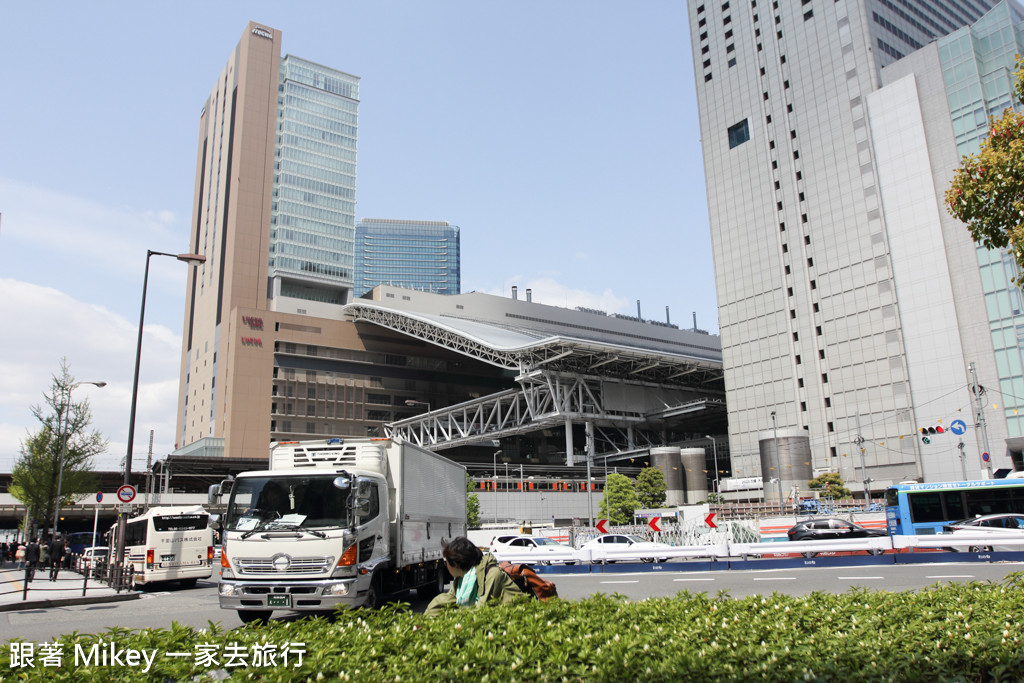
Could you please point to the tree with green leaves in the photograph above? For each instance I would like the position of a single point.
(651, 487)
(472, 504)
(831, 484)
(987, 192)
(37, 470)
(619, 501)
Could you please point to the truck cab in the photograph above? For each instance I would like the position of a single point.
(316, 530)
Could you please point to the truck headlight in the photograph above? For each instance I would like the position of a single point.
(338, 588)
(229, 590)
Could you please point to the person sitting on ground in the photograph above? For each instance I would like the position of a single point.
(478, 578)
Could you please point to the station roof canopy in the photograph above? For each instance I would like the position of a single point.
(523, 336)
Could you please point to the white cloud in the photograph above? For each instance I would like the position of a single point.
(45, 325)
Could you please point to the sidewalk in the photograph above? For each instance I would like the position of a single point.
(43, 593)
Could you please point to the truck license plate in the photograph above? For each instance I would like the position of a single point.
(279, 601)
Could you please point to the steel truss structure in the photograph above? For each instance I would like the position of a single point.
(562, 381)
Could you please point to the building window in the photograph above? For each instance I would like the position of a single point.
(738, 133)
(732, 62)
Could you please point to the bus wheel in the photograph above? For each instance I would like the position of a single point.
(980, 549)
(254, 616)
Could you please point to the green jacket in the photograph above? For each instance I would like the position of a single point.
(492, 585)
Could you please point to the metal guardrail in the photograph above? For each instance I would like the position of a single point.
(103, 575)
(873, 545)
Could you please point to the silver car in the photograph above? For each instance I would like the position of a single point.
(993, 525)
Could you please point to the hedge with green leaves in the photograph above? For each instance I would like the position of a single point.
(968, 632)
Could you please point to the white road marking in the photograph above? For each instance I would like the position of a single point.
(620, 582)
(951, 576)
(693, 579)
(855, 578)
(778, 578)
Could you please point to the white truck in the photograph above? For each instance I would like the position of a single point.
(337, 523)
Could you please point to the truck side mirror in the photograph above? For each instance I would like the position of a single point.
(213, 496)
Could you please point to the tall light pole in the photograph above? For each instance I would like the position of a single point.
(778, 461)
(66, 411)
(411, 402)
(495, 466)
(122, 517)
(714, 446)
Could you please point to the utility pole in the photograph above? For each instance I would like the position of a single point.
(979, 397)
(859, 440)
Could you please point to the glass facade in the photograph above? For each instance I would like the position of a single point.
(978, 71)
(314, 196)
(421, 255)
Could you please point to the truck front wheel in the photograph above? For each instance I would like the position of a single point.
(374, 594)
(254, 616)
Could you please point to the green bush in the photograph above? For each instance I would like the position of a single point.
(968, 632)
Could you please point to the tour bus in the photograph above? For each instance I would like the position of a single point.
(919, 509)
(168, 544)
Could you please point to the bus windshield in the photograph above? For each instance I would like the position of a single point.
(288, 502)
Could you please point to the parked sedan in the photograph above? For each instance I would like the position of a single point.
(612, 547)
(994, 525)
(830, 528)
(91, 557)
(531, 549)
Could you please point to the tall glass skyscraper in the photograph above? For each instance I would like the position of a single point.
(978, 65)
(421, 255)
(313, 212)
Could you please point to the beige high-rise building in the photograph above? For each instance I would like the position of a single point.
(274, 215)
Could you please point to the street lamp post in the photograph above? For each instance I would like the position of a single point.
(495, 470)
(410, 402)
(66, 410)
(714, 446)
(122, 517)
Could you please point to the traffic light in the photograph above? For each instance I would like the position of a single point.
(928, 432)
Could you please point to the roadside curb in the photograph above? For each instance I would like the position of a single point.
(63, 602)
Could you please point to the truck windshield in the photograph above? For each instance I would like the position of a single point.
(287, 502)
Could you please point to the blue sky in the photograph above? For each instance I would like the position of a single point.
(562, 137)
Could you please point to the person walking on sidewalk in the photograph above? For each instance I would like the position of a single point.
(32, 558)
(57, 551)
(19, 556)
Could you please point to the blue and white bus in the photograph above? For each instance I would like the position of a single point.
(920, 509)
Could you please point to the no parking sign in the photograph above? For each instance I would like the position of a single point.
(126, 493)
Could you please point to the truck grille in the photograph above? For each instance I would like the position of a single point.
(297, 565)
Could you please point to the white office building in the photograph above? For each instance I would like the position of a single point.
(854, 311)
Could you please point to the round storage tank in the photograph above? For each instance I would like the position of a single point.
(794, 461)
(666, 459)
(695, 470)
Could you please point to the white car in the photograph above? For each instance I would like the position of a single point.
(531, 550)
(988, 525)
(91, 557)
(612, 547)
